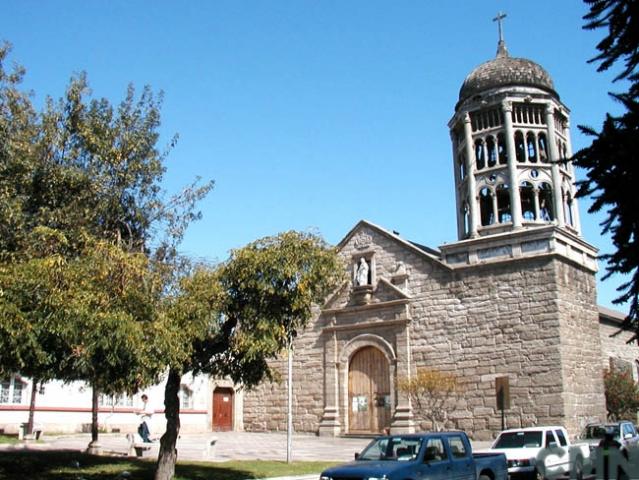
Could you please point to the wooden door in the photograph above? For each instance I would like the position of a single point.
(223, 409)
(368, 392)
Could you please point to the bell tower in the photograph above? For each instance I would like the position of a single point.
(511, 137)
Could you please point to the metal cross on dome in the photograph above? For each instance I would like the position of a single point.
(500, 16)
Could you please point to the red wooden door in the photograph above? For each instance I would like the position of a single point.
(223, 409)
(369, 392)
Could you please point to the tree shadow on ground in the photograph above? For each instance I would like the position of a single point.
(72, 465)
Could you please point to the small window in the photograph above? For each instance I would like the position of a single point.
(527, 197)
(502, 153)
(546, 209)
(12, 390)
(486, 207)
(520, 148)
(480, 160)
(115, 401)
(504, 214)
(550, 438)
(531, 145)
(562, 438)
(457, 447)
(434, 450)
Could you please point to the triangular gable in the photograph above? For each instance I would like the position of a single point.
(424, 252)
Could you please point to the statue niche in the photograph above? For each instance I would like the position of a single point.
(362, 281)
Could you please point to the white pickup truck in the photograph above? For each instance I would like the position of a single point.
(542, 452)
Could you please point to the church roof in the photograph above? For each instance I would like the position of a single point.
(504, 71)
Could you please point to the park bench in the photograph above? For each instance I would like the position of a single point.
(137, 445)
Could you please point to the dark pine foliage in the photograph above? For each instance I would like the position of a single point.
(612, 160)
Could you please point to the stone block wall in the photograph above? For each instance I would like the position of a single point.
(583, 396)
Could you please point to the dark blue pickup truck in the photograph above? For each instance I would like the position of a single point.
(421, 456)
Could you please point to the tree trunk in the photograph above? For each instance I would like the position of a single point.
(32, 404)
(167, 457)
(94, 414)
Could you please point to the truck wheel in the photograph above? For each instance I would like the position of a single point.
(538, 475)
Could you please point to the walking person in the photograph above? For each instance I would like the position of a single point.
(146, 412)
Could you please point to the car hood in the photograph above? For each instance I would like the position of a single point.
(516, 453)
(365, 468)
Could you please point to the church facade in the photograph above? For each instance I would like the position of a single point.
(512, 301)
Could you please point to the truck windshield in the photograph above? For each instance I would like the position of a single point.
(392, 449)
(519, 440)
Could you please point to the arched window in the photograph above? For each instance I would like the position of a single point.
(480, 160)
(492, 151)
(520, 149)
(504, 214)
(461, 159)
(527, 195)
(546, 210)
(531, 147)
(543, 148)
(486, 206)
(502, 151)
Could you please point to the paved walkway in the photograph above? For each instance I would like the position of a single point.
(229, 446)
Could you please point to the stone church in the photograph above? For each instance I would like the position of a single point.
(512, 300)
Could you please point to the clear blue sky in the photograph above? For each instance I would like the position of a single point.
(309, 114)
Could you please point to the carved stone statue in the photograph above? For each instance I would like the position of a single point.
(361, 277)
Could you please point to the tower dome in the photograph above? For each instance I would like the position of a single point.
(505, 71)
(511, 142)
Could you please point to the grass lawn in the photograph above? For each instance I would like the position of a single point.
(10, 439)
(71, 465)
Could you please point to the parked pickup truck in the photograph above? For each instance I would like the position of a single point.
(542, 452)
(423, 456)
(623, 432)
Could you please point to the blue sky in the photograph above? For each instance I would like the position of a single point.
(309, 114)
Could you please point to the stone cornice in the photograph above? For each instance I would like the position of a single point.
(362, 308)
(367, 325)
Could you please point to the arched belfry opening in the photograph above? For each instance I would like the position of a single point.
(369, 391)
(511, 130)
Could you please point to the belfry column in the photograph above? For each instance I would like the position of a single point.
(473, 213)
(556, 175)
(458, 182)
(575, 206)
(515, 198)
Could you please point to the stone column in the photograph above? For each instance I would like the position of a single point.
(575, 208)
(403, 418)
(471, 182)
(536, 200)
(458, 183)
(515, 197)
(556, 174)
(330, 424)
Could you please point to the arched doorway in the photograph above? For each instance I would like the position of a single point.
(222, 409)
(369, 391)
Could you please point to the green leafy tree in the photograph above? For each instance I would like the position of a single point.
(622, 394)
(612, 160)
(433, 394)
(88, 242)
(233, 318)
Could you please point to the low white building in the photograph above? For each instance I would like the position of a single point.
(66, 408)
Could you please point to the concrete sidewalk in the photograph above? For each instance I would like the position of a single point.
(228, 446)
